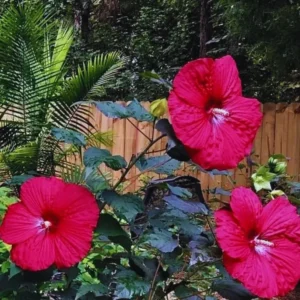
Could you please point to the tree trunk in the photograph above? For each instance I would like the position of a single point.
(205, 26)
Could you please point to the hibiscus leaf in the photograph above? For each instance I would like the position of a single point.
(179, 191)
(127, 205)
(184, 292)
(69, 136)
(96, 289)
(93, 157)
(186, 205)
(130, 285)
(162, 240)
(230, 289)
(159, 164)
(110, 227)
(14, 270)
(138, 112)
(175, 148)
(115, 162)
(112, 109)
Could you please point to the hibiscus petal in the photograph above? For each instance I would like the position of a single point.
(279, 217)
(38, 193)
(72, 244)
(18, 224)
(193, 82)
(255, 273)
(209, 145)
(226, 80)
(285, 258)
(79, 205)
(246, 208)
(245, 118)
(230, 235)
(35, 254)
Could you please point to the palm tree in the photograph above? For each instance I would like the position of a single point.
(36, 93)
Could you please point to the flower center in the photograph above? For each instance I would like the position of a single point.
(261, 246)
(49, 221)
(216, 113)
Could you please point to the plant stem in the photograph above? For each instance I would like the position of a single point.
(139, 130)
(152, 290)
(132, 163)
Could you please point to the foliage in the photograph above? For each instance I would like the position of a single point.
(36, 95)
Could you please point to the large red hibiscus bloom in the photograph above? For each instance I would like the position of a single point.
(261, 245)
(211, 118)
(52, 224)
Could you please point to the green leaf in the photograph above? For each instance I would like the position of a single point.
(162, 240)
(69, 136)
(232, 290)
(112, 109)
(133, 110)
(159, 164)
(14, 270)
(185, 292)
(5, 266)
(138, 112)
(93, 157)
(116, 162)
(130, 285)
(180, 192)
(110, 227)
(127, 205)
(96, 289)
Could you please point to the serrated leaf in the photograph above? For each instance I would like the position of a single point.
(159, 164)
(187, 206)
(162, 240)
(127, 205)
(69, 136)
(97, 289)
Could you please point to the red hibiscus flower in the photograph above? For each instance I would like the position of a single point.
(52, 224)
(261, 245)
(211, 118)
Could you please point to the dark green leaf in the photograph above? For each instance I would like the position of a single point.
(159, 164)
(130, 285)
(127, 205)
(232, 290)
(162, 240)
(69, 136)
(186, 206)
(97, 289)
(19, 179)
(185, 292)
(14, 270)
(110, 227)
(180, 192)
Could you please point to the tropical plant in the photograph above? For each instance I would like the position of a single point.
(37, 90)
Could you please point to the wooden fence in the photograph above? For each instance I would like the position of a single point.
(279, 133)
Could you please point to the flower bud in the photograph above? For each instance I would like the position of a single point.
(158, 107)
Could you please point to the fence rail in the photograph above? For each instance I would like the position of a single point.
(279, 133)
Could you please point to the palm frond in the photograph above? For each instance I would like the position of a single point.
(99, 139)
(92, 78)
